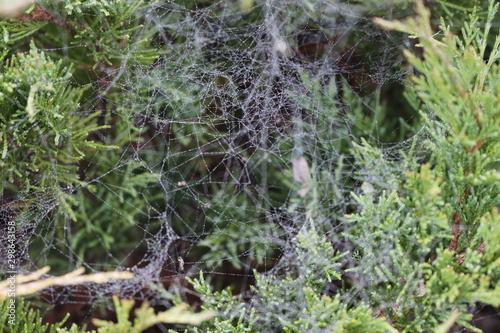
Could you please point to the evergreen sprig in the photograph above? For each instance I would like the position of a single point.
(42, 134)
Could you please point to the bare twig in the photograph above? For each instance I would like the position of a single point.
(31, 283)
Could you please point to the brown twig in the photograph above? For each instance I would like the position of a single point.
(42, 14)
(477, 146)
(457, 220)
(32, 283)
(456, 231)
(477, 116)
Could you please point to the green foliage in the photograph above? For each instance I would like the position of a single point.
(116, 202)
(14, 31)
(302, 289)
(42, 135)
(462, 94)
(361, 236)
(47, 122)
(104, 30)
(117, 205)
(231, 240)
(23, 319)
(146, 318)
(29, 321)
(433, 222)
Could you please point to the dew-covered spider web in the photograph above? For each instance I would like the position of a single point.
(232, 135)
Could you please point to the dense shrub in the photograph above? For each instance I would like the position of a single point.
(276, 166)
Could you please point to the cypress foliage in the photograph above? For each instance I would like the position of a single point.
(111, 144)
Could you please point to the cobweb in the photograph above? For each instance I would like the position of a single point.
(233, 138)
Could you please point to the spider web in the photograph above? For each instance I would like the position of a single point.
(233, 138)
